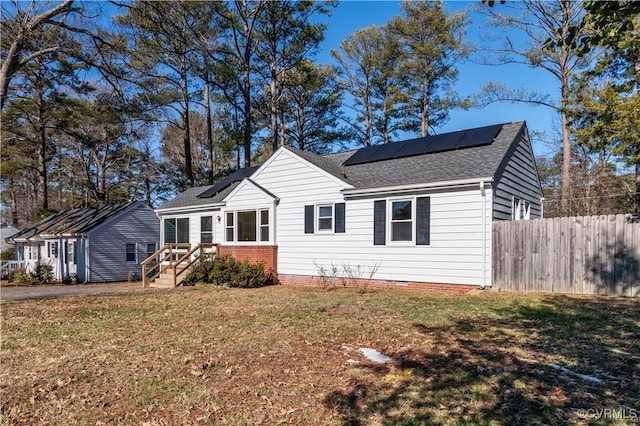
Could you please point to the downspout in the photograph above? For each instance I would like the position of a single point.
(483, 282)
(87, 268)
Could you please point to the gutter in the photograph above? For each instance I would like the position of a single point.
(188, 209)
(402, 189)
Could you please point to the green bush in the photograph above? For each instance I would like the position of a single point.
(21, 276)
(8, 254)
(44, 274)
(226, 271)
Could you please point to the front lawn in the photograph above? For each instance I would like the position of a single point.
(282, 355)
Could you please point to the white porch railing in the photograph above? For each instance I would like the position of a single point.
(8, 266)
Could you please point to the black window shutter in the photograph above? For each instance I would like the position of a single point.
(423, 218)
(339, 218)
(379, 222)
(308, 219)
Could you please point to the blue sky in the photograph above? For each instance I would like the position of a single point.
(351, 15)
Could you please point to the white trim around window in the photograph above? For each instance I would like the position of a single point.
(325, 217)
(247, 226)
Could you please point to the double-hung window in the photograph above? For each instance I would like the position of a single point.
(325, 217)
(151, 248)
(71, 252)
(229, 226)
(130, 251)
(402, 220)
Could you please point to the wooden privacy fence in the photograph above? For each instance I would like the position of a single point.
(589, 255)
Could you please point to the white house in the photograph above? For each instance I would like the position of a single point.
(93, 244)
(415, 213)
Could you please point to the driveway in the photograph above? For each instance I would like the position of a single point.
(53, 291)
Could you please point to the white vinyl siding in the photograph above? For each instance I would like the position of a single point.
(454, 254)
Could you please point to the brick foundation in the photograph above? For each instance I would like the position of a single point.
(255, 254)
(314, 281)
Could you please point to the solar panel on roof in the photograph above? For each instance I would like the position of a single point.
(478, 137)
(236, 176)
(444, 142)
(361, 156)
(385, 152)
(430, 144)
(414, 147)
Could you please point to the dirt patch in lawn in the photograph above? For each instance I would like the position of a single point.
(283, 355)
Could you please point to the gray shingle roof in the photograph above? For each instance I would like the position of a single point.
(74, 221)
(468, 163)
(189, 198)
(475, 162)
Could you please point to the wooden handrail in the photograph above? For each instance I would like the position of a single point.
(169, 256)
(186, 258)
(168, 251)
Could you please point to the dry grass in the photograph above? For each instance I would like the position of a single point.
(280, 355)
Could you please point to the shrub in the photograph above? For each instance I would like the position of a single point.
(21, 276)
(226, 271)
(8, 254)
(44, 274)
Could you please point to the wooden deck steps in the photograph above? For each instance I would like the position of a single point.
(165, 279)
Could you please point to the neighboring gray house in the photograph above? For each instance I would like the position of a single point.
(93, 244)
(6, 231)
(418, 213)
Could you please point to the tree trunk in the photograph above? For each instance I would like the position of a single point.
(14, 205)
(424, 112)
(42, 156)
(185, 123)
(207, 105)
(10, 66)
(281, 126)
(275, 140)
(565, 182)
(367, 115)
(246, 96)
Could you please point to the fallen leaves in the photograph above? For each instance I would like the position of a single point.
(289, 356)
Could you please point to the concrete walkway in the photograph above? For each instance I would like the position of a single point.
(35, 292)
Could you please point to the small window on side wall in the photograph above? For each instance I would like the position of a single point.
(229, 226)
(402, 220)
(151, 248)
(325, 217)
(264, 225)
(130, 251)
